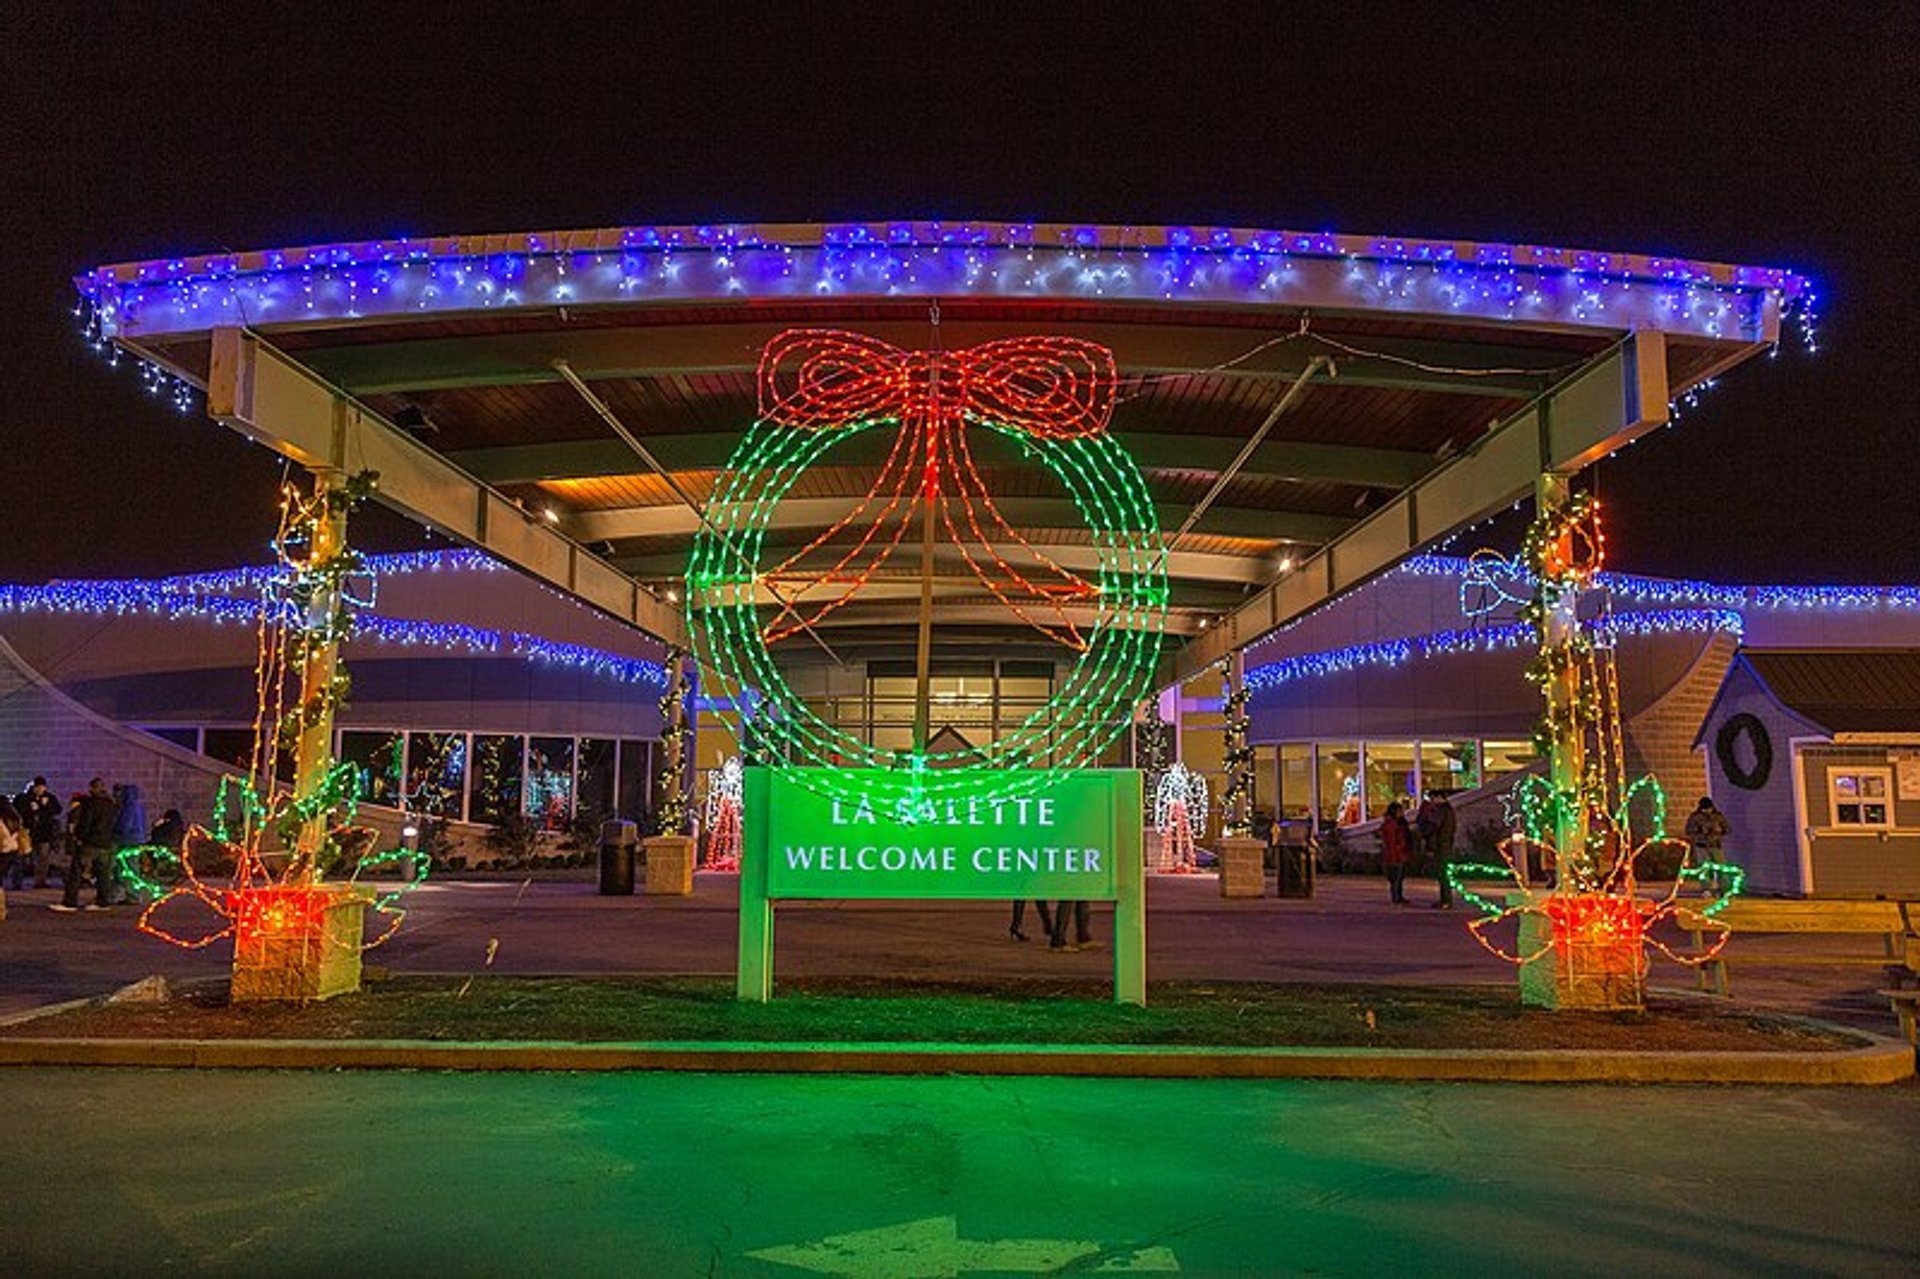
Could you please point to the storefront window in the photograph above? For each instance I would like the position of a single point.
(1296, 782)
(636, 779)
(437, 773)
(496, 776)
(1338, 786)
(549, 782)
(378, 756)
(231, 746)
(1449, 766)
(1501, 758)
(595, 772)
(1390, 777)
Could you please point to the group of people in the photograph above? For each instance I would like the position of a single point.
(91, 829)
(1433, 828)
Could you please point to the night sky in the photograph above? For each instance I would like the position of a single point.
(1781, 137)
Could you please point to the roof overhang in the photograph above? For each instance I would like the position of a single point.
(1460, 371)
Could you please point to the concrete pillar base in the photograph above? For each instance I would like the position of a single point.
(1591, 953)
(669, 865)
(1243, 871)
(297, 943)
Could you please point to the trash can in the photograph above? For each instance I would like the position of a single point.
(617, 841)
(1294, 875)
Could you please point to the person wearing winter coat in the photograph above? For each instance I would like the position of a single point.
(129, 831)
(1396, 849)
(40, 809)
(91, 834)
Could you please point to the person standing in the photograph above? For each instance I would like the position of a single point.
(14, 843)
(1020, 917)
(1082, 930)
(94, 818)
(1442, 825)
(40, 809)
(1396, 848)
(1707, 829)
(129, 831)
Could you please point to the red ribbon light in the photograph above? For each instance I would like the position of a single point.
(1053, 388)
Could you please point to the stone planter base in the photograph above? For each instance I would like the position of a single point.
(1243, 871)
(297, 943)
(669, 865)
(1597, 958)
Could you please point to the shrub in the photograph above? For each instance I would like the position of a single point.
(513, 839)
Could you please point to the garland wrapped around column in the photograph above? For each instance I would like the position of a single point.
(670, 789)
(1236, 803)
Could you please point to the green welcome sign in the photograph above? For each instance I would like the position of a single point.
(1077, 838)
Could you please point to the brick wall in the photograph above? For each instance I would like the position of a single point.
(1660, 738)
(43, 732)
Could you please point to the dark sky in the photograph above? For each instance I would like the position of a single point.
(1775, 136)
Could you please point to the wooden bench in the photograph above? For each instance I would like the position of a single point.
(1906, 1002)
(1892, 921)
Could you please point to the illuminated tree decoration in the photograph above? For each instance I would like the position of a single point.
(253, 815)
(1236, 804)
(1052, 397)
(670, 813)
(1180, 815)
(1594, 924)
(724, 795)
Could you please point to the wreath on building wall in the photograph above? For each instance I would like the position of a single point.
(1726, 748)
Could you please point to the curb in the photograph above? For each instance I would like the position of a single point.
(1880, 1061)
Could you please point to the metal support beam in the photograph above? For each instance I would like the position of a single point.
(1220, 481)
(1022, 512)
(1182, 566)
(1153, 450)
(271, 399)
(1612, 400)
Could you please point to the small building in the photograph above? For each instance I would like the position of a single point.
(1814, 757)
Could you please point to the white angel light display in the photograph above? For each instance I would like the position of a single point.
(723, 816)
(1180, 815)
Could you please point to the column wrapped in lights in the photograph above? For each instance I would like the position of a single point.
(1584, 943)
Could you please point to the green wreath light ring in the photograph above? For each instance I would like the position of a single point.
(782, 465)
(1111, 674)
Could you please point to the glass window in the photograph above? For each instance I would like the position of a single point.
(1449, 766)
(1390, 777)
(1296, 782)
(437, 773)
(1264, 777)
(595, 796)
(636, 779)
(378, 754)
(187, 737)
(1338, 786)
(1861, 797)
(496, 776)
(549, 782)
(1500, 758)
(231, 746)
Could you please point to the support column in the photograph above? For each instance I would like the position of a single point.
(300, 938)
(319, 670)
(1567, 746)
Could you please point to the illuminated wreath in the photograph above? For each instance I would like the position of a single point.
(1053, 397)
(1726, 747)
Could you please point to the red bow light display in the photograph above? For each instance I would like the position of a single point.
(1051, 388)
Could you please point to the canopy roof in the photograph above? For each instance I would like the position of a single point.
(1458, 371)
